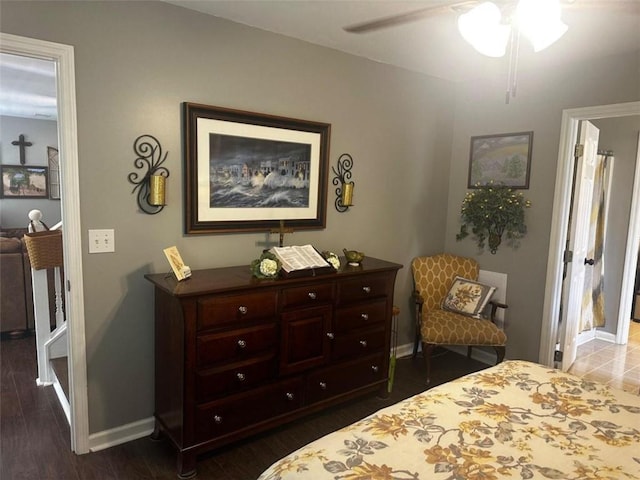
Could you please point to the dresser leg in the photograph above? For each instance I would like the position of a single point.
(156, 436)
(187, 465)
(383, 392)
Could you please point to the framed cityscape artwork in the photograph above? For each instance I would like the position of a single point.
(249, 171)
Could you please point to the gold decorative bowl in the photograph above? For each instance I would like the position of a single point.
(353, 256)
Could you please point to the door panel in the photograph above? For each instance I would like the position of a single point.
(578, 242)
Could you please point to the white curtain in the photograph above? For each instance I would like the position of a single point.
(593, 314)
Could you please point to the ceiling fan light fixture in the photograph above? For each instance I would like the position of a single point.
(482, 27)
(539, 21)
(548, 36)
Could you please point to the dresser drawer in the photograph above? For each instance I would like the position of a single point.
(236, 344)
(216, 310)
(360, 315)
(362, 288)
(229, 414)
(308, 295)
(234, 377)
(359, 342)
(344, 377)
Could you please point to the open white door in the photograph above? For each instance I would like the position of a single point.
(578, 242)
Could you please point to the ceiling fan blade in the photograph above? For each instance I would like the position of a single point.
(407, 17)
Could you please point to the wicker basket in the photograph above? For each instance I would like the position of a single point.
(45, 249)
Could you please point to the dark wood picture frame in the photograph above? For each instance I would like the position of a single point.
(503, 159)
(245, 171)
(21, 181)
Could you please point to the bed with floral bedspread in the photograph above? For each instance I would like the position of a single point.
(517, 420)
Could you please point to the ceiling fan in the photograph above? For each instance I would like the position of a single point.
(493, 27)
(463, 6)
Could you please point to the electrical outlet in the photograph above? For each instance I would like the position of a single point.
(102, 241)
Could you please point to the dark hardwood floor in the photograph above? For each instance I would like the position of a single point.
(34, 433)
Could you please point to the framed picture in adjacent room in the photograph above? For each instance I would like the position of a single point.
(248, 171)
(19, 181)
(503, 158)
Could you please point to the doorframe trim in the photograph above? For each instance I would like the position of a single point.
(63, 56)
(560, 216)
(627, 295)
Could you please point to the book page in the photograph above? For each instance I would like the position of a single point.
(299, 257)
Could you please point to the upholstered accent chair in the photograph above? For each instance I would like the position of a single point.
(433, 277)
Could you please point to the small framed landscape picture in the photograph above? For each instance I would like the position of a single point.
(19, 181)
(502, 159)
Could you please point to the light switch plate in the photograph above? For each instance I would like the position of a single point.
(102, 241)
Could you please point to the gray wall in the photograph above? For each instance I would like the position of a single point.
(135, 63)
(408, 133)
(542, 95)
(43, 134)
(621, 136)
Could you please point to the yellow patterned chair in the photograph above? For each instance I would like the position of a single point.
(433, 276)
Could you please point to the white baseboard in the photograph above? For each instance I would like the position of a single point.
(606, 336)
(122, 434)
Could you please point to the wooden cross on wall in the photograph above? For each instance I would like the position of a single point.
(282, 231)
(22, 144)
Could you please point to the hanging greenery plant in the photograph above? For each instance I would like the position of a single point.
(492, 211)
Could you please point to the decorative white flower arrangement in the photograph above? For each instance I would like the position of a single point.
(332, 258)
(267, 266)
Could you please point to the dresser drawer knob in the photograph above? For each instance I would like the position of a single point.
(374, 368)
(241, 376)
(323, 385)
(330, 336)
(242, 344)
(290, 396)
(312, 295)
(217, 419)
(364, 316)
(363, 343)
(366, 289)
(243, 310)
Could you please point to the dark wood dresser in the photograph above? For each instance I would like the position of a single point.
(235, 355)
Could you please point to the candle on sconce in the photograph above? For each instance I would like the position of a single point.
(347, 194)
(157, 190)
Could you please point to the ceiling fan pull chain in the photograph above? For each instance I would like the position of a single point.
(515, 63)
(512, 77)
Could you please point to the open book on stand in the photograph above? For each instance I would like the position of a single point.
(301, 260)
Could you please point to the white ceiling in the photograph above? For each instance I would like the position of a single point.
(27, 87)
(431, 46)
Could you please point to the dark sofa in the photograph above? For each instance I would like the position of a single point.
(16, 295)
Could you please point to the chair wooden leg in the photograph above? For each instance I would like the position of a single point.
(500, 352)
(426, 353)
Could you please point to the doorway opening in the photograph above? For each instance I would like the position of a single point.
(562, 201)
(63, 57)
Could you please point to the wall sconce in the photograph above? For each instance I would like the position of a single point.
(344, 190)
(152, 186)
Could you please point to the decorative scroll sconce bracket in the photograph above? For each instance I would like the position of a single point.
(344, 187)
(151, 185)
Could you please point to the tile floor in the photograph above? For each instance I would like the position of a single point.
(615, 365)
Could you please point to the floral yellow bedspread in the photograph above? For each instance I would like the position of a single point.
(517, 420)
